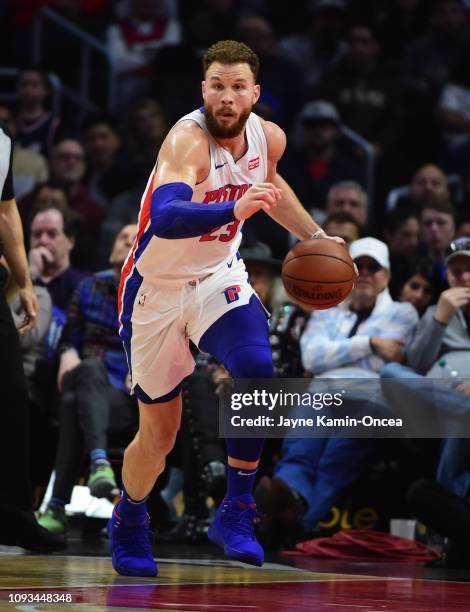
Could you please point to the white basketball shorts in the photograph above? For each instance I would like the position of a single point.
(164, 318)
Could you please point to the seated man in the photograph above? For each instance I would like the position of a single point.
(352, 340)
(52, 235)
(348, 197)
(438, 226)
(93, 380)
(441, 349)
(429, 185)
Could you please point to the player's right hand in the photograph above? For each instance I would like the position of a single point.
(260, 196)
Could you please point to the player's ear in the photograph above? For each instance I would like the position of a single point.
(203, 87)
(256, 93)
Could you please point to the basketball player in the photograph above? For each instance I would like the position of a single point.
(184, 280)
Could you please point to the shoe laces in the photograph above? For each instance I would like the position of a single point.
(134, 538)
(240, 517)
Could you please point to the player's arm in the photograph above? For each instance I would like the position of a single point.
(289, 212)
(182, 163)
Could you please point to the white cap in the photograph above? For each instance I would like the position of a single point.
(371, 247)
(460, 246)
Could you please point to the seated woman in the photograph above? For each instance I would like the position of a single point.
(416, 281)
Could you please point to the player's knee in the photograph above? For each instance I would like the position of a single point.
(253, 361)
(158, 440)
(158, 427)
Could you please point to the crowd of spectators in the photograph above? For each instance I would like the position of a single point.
(375, 99)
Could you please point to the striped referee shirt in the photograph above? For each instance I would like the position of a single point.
(327, 349)
(6, 174)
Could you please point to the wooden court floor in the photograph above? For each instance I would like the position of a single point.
(89, 583)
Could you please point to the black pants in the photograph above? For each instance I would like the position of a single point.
(14, 416)
(443, 511)
(90, 409)
(199, 439)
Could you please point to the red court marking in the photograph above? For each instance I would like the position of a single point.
(378, 595)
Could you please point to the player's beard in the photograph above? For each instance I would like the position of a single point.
(220, 131)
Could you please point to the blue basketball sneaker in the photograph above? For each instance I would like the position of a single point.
(233, 529)
(130, 545)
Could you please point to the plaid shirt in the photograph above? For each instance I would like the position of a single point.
(326, 347)
(92, 325)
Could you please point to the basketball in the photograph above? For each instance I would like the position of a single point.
(318, 273)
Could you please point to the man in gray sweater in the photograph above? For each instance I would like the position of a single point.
(441, 349)
(445, 327)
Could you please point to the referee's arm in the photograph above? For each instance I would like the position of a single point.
(11, 235)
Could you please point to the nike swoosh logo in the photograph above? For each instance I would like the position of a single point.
(240, 473)
(220, 165)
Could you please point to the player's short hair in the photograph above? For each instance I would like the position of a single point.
(231, 52)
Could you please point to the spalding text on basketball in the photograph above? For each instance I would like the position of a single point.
(317, 294)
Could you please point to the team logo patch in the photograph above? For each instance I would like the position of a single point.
(231, 293)
(142, 299)
(253, 163)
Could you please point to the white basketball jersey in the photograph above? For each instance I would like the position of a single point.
(186, 259)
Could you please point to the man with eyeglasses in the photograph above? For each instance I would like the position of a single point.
(444, 329)
(68, 168)
(353, 340)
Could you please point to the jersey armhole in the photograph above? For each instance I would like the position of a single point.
(208, 146)
(209, 154)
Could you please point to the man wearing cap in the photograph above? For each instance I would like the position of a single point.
(262, 269)
(318, 158)
(441, 349)
(369, 328)
(352, 340)
(444, 329)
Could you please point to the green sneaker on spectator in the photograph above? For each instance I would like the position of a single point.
(102, 482)
(54, 519)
